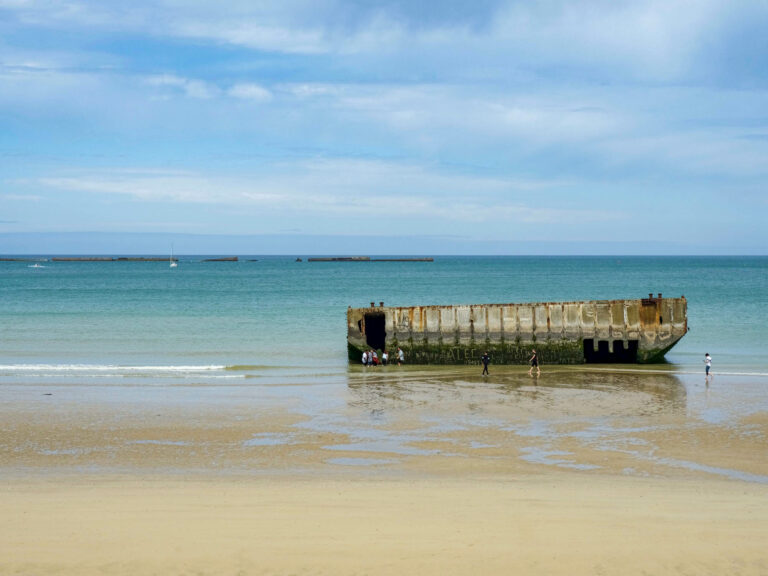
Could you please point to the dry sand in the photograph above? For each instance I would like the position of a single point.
(551, 524)
(593, 475)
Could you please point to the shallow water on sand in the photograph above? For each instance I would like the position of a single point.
(399, 421)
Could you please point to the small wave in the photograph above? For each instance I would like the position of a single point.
(671, 371)
(170, 375)
(104, 368)
(244, 367)
(726, 373)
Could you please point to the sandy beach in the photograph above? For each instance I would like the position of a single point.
(409, 471)
(551, 524)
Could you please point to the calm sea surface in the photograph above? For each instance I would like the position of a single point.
(209, 322)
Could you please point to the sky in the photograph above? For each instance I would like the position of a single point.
(384, 127)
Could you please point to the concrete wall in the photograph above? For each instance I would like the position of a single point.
(460, 334)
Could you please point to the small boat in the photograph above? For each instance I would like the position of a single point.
(174, 263)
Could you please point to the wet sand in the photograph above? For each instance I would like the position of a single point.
(389, 471)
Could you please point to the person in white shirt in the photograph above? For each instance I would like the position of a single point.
(707, 363)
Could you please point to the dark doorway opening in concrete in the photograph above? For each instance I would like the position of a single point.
(603, 355)
(375, 332)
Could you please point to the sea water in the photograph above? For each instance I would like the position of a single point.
(268, 317)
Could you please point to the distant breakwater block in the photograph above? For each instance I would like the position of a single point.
(365, 259)
(596, 331)
(83, 259)
(5, 259)
(133, 259)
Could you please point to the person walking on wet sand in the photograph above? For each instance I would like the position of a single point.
(534, 360)
(485, 359)
(707, 363)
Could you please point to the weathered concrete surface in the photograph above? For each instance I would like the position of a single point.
(616, 331)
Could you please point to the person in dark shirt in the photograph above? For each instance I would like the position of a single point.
(485, 359)
(534, 360)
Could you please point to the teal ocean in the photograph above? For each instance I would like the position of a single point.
(262, 317)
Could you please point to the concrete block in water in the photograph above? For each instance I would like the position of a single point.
(617, 331)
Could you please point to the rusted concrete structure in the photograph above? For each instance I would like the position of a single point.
(616, 331)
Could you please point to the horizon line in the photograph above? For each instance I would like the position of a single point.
(372, 254)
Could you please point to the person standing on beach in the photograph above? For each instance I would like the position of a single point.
(365, 358)
(485, 359)
(534, 360)
(707, 363)
(400, 357)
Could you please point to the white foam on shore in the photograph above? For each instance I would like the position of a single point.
(104, 368)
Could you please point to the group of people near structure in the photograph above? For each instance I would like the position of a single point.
(372, 358)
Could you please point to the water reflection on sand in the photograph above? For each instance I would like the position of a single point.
(634, 422)
(511, 394)
(399, 420)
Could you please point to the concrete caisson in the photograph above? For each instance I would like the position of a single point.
(616, 331)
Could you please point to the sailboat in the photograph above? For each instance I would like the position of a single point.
(174, 264)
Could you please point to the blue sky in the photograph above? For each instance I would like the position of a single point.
(384, 127)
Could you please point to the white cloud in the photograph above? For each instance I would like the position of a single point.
(253, 35)
(191, 88)
(20, 197)
(654, 39)
(434, 111)
(341, 186)
(250, 92)
(425, 108)
(650, 39)
(643, 129)
(312, 90)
